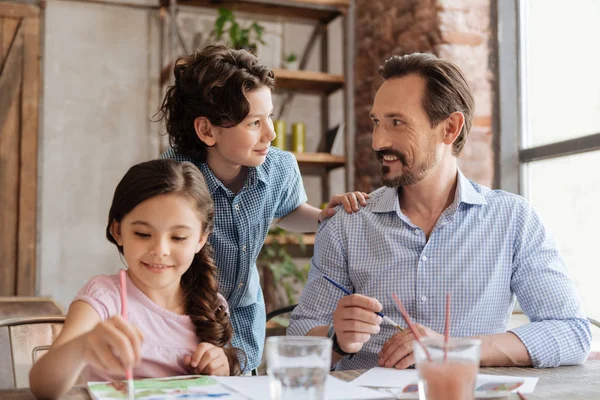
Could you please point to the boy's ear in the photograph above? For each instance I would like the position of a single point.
(201, 242)
(115, 231)
(204, 131)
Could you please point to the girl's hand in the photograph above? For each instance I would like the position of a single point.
(112, 346)
(349, 200)
(208, 359)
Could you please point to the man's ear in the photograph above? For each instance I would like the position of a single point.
(204, 131)
(452, 127)
(115, 231)
(201, 242)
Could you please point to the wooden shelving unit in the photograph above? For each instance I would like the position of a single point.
(316, 10)
(320, 83)
(323, 160)
(307, 81)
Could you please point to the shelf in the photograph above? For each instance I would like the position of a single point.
(308, 81)
(318, 10)
(308, 239)
(326, 160)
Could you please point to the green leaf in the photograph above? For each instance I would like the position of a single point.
(257, 28)
(270, 252)
(291, 57)
(234, 34)
(226, 13)
(289, 291)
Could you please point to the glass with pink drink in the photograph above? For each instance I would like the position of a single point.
(451, 377)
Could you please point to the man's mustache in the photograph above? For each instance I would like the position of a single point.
(382, 153)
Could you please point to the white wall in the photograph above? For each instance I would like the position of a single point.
(95, 125)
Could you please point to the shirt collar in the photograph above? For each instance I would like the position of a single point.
(465, 193)
(255, 174)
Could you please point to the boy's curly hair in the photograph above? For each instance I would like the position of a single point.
(210, 83)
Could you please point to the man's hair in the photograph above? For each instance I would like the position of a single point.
(210, 83)
(446, 89)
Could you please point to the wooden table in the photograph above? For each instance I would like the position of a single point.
(580, 382)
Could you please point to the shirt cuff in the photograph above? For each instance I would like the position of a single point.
(553, 343)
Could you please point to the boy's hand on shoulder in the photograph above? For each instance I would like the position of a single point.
(350, 201)
(113, 345)
(208, 359)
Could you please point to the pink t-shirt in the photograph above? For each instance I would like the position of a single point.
(168, 337)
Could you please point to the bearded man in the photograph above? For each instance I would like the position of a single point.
(431, 231)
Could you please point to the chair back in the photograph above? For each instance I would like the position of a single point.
(23, 341)
(274, 329)
(17, 306)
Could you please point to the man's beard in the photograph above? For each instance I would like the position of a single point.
(407, 176)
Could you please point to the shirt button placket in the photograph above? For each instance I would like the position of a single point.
(242, 262)
(422, 286)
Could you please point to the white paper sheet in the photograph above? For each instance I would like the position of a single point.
(257, 388)
(399, 381)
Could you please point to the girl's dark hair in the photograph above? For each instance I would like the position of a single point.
(199, 283)
(210, 83)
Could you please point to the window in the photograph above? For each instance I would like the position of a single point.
(559, 152)
(560, 63)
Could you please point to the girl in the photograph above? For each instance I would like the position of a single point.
(218, 116)
(160, 218)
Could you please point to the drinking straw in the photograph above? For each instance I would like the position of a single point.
(447, 331)
(410, 324)
(128, 372)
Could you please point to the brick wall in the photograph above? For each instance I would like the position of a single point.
(458, 30)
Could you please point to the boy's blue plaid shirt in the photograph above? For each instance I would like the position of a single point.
(242, 220)
(487, 247)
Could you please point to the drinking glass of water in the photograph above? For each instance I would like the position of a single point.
(298, 366)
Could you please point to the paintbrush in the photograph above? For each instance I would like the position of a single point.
(128, 372)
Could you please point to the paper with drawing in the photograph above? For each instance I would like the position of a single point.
(225, 388)
(403, 383)
(179, 387)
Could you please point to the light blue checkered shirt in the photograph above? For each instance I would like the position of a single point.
(242, 220)
(487, 247)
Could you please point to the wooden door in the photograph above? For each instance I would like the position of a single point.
(19, 121)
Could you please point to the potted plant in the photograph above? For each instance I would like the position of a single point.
(281, 277)
(290, 61)
(238, 37)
